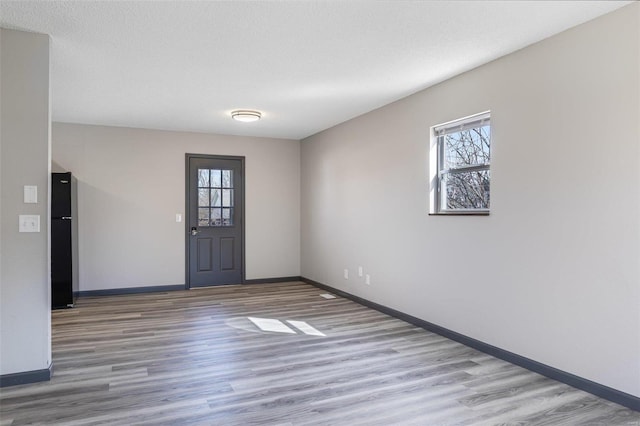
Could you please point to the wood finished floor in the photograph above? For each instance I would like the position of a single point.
(193, 358)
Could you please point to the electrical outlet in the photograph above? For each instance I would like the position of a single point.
(367, 279)
(346, 274)
(360, 271)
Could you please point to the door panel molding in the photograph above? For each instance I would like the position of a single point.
(204, 263)
(227, 246)
(226, 262)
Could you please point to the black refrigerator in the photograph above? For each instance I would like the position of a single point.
(64, 240)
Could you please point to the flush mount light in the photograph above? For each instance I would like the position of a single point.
(246, 115)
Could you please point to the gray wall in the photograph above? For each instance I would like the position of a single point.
(25, 327)
(553, 273)
(131, 185)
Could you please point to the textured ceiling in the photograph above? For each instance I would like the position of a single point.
(308, 65)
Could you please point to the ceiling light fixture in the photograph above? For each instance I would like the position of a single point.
(246, 115)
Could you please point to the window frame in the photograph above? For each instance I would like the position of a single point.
(438, 172)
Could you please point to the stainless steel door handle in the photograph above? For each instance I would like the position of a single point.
(194, 231)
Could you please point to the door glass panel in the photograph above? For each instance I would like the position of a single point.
(215, 217)
(227, 197)
(215, 197)
(203, 178)
(203, 217)
(203, 197)
(215, 178)
(227, 217)
(212, 196)
(227, 179)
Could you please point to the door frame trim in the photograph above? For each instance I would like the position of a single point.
(188, 157)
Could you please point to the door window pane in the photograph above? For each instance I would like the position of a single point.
(203, 197)
(203, 217)
(216, 181)
(203, 178)
(227, 197)
(215, 197)
(227, 217)
(216, 219)
(226, 179)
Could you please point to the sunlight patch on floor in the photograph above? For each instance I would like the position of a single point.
(270, 324)
(306, 328)
(276, 326)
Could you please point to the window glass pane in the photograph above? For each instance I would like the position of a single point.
(203, 178)
(466, 190)
(215, 197)
(215, 178)
(216, 219)
(467, 147)
(203, 217)
(227, 217)
(227, 179)
(203, 197)
(227, 197)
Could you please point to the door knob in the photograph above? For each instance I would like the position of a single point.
(194, 231)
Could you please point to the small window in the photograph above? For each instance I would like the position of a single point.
(460, 172)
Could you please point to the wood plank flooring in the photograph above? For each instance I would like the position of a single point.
(194, 358)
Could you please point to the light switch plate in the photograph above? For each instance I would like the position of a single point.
(30, 194)
(178, 217)
(29, 223)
